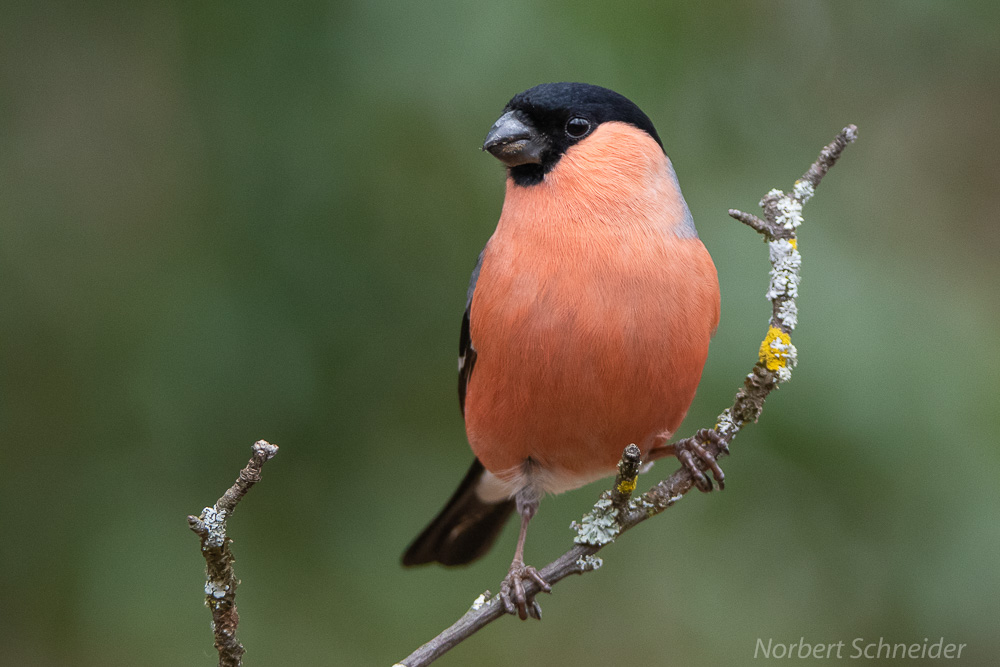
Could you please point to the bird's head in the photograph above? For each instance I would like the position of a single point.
(538, 126)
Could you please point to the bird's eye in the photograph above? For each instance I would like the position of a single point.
(577, 126)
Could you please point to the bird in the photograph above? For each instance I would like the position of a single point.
(587, 321)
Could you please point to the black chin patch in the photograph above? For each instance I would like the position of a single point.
(529, 174)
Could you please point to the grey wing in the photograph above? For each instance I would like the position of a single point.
(466, 351)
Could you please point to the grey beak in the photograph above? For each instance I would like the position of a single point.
(513, 141)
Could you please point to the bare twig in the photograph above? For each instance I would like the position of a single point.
(220, 580)
(614, 513)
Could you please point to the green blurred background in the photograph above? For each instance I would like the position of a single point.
(221, 222)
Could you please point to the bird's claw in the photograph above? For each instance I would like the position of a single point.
(686, 450)
(513, 595)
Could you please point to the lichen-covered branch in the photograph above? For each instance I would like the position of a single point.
(220, 579)
(615, 511)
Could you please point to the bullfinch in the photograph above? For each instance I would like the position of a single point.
(586, 324)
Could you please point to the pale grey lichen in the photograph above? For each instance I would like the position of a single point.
(265, 448)
(215, 524)
(216, 589)
(643, 505)
(789, 211)
(484, 599)
(788, 314)
(589, 563)
(774, 193)
(785, 264)
(803, 190)
(726, 425)
(599, 526)
(640, 503)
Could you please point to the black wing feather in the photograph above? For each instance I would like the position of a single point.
(466, 351)
(464, 530)
(467, 527)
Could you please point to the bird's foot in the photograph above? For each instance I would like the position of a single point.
(691, 450)
(513, 595)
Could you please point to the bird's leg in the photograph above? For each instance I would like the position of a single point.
(686, 450)
(512, 588)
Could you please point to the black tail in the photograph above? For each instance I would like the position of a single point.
(464, 530)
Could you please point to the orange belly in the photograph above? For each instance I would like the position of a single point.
(590, 347)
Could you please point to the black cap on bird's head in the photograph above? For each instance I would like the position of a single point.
(540, 124)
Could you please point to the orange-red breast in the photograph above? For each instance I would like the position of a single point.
(587, 321)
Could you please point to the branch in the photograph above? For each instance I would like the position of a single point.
(220, 581)
(614, 513)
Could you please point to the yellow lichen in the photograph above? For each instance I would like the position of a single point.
(627, 486)
(795, 243)
(771, 358)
